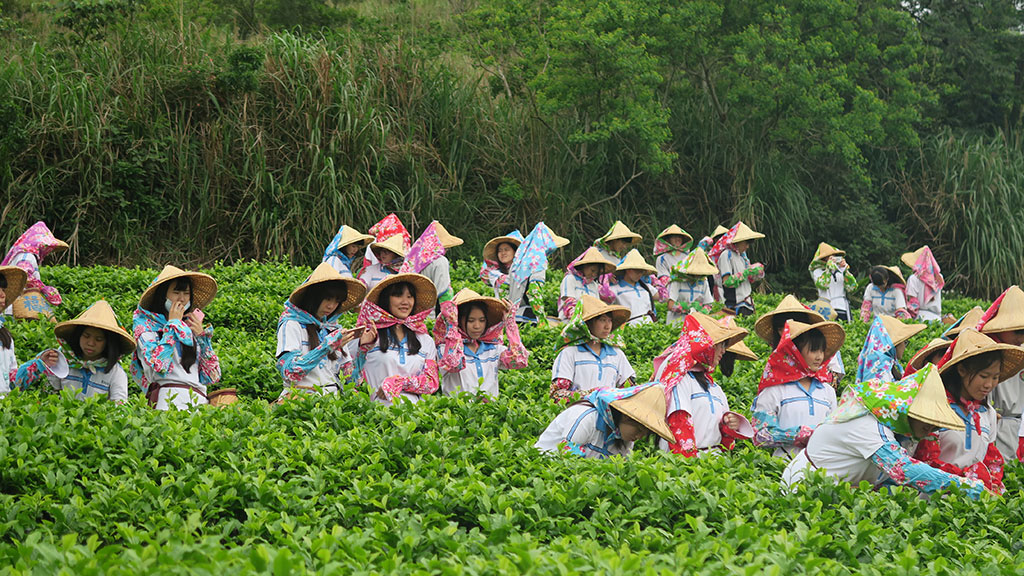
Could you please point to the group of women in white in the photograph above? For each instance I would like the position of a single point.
(951, 417)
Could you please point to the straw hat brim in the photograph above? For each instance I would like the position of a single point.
(746, 234)
(65, 330)
(16, 279)
(832, 251)
(426, 293)
(641, 266)
(363, 240)
(494, 309)
(900, 332)
(930, 404)
(397, 248)
(620, 315)
(833, 332)
(897, 272)
(729, 335)
(595, 257)
(1012, 358)
(675, 231)
(648, 408)
(491, 248)
(763, 325)
(204, 288)
(742, 352)
(910, 258)
(354, 293)
(968, 320)
(918, 361)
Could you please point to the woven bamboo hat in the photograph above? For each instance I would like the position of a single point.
(930, 404)
(594, 307)
(895, 271)
(898, 331)
(730, 335)
(494, 309)
(350, 235)
(742, 351)
(16, 279)
(204, 287)
(620, 231)
(719, 230)
(674, 230)
(1010, 315)
(634, 261)
(491, 248)
(447, 240)
(647, 407)
(593, 256)
(99, 315)
(910, 258)
(972, 343)
(833, 332)
(744, 234)
(354, 294)
(789, 305)
(968, 320)
(392, 243)
(560, 241)
(426, 293)
(825, 251)
(697, 263)
(936, 345)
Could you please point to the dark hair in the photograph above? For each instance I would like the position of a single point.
(952, 381)
(310, 302)
(468, 307)
(386, 335)
(111, 349)
(814, 338)
(156, 306)
(727, 364)
(779, 322)
(702, 379)
(504, 268)
(5, 335)
(880, 276)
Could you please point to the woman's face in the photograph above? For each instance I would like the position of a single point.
(631, 430)
(590, 271)
(93, 342)
(351, 250)
(475, 323)
(181, 294)
(813, 358)
(506, 252)
(328, 305)
(3, 297)
(618, 245)
(600, 327)
(633, 276)
(978, 386)
(386, 257)
(719, 352)
(741, 247)
(674, 240)
(401, 303)
(920, 429)
(1014, 337)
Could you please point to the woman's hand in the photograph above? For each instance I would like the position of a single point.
(177, 311)
(195, 325)
(369, 336)
(732, 421)
(49, 358)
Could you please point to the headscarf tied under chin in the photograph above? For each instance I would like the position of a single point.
(693, 351)
(888, 401)
(37, 240)
(786, 364)
(878, 355)
(294, 313)
(927, 271)
(576, 331)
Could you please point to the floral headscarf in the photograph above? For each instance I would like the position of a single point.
(604, 291)
(724, 243)
(888, 401)
(602, 399)
(333, 249)
(878, 355)
(990, 313)
(693, 351)
(576, 331)
(927, 270)
(663, 247)
(388, 226)
(786, 364)
(515, 234)
(532, 254)
(425, 250)
(37, 240)
(370, 314)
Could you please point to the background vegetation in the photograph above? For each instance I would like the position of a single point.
(204, 130)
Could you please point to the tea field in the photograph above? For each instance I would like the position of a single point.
(447, 486)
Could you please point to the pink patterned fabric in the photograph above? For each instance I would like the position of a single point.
(724, 243)
(786, 364)
(927, 270)
(693, 351)
(425, 382)
(39, 241)
(388, 227)
(425, 250)
(372, 315)
(451, 340)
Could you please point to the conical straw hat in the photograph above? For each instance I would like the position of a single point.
(719, 333)
(972, 343)
(719, 230)
(833, 332)
(744, 233)
(824, 251)
(619, 231)
(1010, 315)
(593, 256)
(355, 290)
(99, 315)
(491, 248)
(789, 305)
(910, 258)
(560, 241)
(204, 287)
(647, 407)
(674, 230)
(16, 279)
(495, 309)
(895, 270)
(936, 345)
(634, 261)
(898, 331)
(697, 263)
(742, 351)
(593, 307)
(351, 236)
(968, 320)
(447, 240)
(392, 243)
(930, 404)
(426, 293)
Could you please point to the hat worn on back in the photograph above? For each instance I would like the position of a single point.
(355, 290)
(99, 315)
(204, 287)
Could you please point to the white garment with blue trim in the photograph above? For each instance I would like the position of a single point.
(844, 451)
(793, 407)
(86, 384)
(664, 262)
(572, 287)
(705, 407)
(967, 447)
(181, 398)
(8, 367)
(587, 370)
(482, 364)
(884, 301)
(683, 292)
(398, 362)
(373, 274)
(732, 263)
(835, 294)
(578, 424)
(339, 265)
(929, 311)
(326, 375)
(637, 298)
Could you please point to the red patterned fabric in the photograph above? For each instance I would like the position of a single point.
(693, 351)
(786, 364)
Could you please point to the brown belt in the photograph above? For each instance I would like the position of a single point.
(154, 389)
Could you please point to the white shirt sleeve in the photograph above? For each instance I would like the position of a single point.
(624, 368)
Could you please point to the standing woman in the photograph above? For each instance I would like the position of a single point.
(439, 269)
(12, 282)
(498, 255)
(174, 361)
(833, 279)
(730, 257)
(883, 349)
(924, 289)
(591, 355)
(582, 279)
(1004, 323)
(398, 357)
(632, 291)
(311, 352)
(975, 366)
(885, 294)
(690, 287)
(670, 248)
(344, 253)
(389, 255)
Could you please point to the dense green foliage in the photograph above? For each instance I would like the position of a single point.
(231, 129)
(450, 485)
